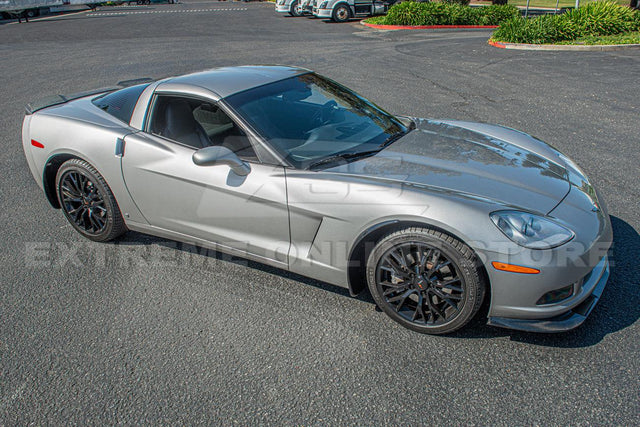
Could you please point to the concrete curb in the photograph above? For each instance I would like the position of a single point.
(567, 47)
(428, 27)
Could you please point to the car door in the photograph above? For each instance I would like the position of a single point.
(246, 213)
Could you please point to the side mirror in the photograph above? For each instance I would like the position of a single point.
(218, 155)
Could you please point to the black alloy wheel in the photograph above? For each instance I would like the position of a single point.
(83, 202)
(426, 280)
(87, 201)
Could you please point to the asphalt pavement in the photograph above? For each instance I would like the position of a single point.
(148, 331)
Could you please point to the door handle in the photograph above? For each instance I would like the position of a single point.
(119, 147)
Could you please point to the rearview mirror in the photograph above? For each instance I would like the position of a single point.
(218, 155)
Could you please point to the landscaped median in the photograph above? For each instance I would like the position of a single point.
(414, 15)
(600, 25)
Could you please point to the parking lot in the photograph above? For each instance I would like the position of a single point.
(149, 331)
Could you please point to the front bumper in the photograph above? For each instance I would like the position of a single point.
(283, 8)
(593, 288)
(322, 13)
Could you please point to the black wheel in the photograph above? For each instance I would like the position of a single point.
(341, 13)
(425, 280)
(294, 11)
(87, 201)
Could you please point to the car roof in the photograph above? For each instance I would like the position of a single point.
(227, 81)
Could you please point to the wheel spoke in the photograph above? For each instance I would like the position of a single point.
(393, 288)
(402, 298)
(93, 220)
(448, 285)
(73, 180)
(400, 260)
(397, 268)
(83, 202)
(77, 213)
(72, 192)
(434, 257)
(445, 298)
(442, 265)
(434, 309)
(419, 310)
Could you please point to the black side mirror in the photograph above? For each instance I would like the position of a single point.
(218, 155)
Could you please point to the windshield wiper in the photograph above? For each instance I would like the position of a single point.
(351, 156)
(342, 157)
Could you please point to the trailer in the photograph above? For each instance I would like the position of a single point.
(31, 8)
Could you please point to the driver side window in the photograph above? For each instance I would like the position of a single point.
(198, 124)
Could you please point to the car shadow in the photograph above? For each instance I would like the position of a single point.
(618, 308)
(136, 239)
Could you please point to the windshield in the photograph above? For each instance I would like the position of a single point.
(309, 120)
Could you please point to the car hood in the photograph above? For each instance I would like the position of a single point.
(455, 158)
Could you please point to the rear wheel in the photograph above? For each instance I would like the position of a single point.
(426, 280)
(87, 201)
(341, 13)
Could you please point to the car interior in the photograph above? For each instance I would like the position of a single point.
(198, 124)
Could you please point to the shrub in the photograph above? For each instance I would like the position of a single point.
(602, 18)
(460, 2)
(599, 18)
(540, 30)
(495, 14)
(445, 13)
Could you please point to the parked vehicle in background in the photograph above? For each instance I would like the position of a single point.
(288, 6)
(305, 7)
(343, 10)
(33, 8)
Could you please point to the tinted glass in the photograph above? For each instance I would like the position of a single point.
(120, 103)
(198, 124)
(309, 118)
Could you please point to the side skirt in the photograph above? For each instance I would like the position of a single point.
(184, 238)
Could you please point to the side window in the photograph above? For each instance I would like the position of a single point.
(198, 124)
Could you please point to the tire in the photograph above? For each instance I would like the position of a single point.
(294, 9)
(87, 201)
(341, 13)
(436, 265)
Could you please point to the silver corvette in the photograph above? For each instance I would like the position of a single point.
(289, 168)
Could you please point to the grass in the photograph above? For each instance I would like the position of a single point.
(377, 20)
(632, 37)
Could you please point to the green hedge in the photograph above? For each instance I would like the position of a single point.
(599, 18)
(444, 13)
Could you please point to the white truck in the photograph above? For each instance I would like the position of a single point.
(290, 7)
(343, 10)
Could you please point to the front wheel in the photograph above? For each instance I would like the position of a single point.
(87, 201)
(295, 11)
(341, 13)
(426, 280)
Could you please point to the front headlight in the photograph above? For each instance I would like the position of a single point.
(531, 231)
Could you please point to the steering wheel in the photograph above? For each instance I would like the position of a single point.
(324, 114)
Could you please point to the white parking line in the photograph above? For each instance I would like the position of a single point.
(235, 9)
